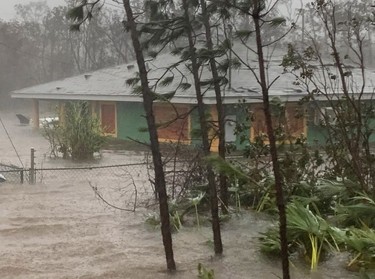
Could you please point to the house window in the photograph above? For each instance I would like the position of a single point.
(173, 122)
(324, 116)
(295, 122)
(291, 120)
(230, 128)
(108, 117)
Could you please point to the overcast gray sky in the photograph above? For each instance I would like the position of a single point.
(7, 6)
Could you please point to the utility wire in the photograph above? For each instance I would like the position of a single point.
(10, 139)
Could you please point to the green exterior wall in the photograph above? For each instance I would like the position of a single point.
(131, 123)
(240, 112)
(372, 136)
(195, 128)
(316, 134)
(232, 109)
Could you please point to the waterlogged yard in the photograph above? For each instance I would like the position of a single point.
(60, 229)
(63, 231)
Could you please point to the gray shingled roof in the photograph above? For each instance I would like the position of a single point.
(109, 84)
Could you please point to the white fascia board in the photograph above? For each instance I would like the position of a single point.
(179, 99)
(129, 98)
(85, 97)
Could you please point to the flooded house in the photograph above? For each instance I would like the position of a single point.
(114, 97)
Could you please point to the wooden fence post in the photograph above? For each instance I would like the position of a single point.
(32, 167)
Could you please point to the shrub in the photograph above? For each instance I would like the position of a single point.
(79, 135)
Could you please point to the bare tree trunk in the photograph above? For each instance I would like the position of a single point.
(75, 54)
(204, 133)
(272, 140)
(219, 107)
(160, 184)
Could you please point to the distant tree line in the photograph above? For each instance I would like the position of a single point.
(38, 46)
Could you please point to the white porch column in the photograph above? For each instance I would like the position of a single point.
(35, 114)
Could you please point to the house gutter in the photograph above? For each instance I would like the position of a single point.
(182, 99)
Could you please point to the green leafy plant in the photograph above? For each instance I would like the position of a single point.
(83, 132)
(153, 220)
(204, 273)
(195, 201)
(78, 135)
(270, 241)
(175, 216)
(175, 220)
(361, 242)
(235, 190)
(357, 211)
(307, 232)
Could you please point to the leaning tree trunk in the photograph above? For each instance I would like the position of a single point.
(272, 141)
(160, 184)
(219, 106)
(218, 246)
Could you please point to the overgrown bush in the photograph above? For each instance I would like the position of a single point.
(315, 231)
(78, 135)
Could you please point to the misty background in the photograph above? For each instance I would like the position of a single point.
(7, 10)
(37, 46)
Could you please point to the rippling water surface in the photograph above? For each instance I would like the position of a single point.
(60, 229)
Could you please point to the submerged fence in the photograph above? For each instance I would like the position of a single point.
(14, 174)
(125, 186)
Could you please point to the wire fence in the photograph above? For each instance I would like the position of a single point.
(14, 174)
(124, 187)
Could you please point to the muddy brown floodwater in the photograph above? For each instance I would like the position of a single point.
(60, 229)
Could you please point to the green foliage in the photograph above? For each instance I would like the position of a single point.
(270, 241)
(349, 126)
(76, 13)
(176, 221)
(83, 132)
(253, 185)
(204, 273)
(227, 64)
(361, 242)
(163, 97)
(175, 218)
(137, 89)
(132, 81)
(243, 34)
(306, 232)
(357, 211)
(184, 86)
(80, 135)
(54, 133)
(307, 229)
(247, 188)
(153, 220)
(309, 232)
(277, 21)
(196, 201)
(167, 81)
